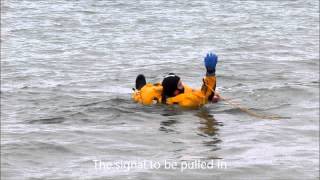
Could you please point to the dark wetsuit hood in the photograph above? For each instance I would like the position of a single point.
(169, 84)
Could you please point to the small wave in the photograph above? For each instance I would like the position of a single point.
(213, 142)
(52, 146)
(92, 103)
(229, 111)
(54, 120)
(114, 101)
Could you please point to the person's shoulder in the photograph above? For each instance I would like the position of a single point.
(187, 89)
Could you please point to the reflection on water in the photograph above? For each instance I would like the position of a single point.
(166, 126)
(208, 126)
(171, 110)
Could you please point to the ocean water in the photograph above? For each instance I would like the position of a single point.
(67, 69)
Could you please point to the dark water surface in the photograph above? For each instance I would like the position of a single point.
(67, 69)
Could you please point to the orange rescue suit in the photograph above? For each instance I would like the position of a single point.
(190, 98)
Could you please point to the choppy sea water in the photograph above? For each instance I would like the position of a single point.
(67, 69)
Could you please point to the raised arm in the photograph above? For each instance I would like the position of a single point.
(209, 81)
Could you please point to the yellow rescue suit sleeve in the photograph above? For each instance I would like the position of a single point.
(209, 86)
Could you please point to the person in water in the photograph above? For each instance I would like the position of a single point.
(173, 91)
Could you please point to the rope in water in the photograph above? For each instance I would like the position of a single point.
(247, 110)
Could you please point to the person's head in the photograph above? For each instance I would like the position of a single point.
(172, 86)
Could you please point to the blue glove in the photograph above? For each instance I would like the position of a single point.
(210, 61)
